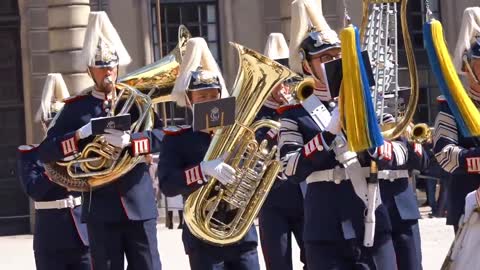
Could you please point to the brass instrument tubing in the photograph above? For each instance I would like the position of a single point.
(395, 10)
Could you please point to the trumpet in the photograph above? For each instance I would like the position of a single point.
(420, 133)
(301, 88)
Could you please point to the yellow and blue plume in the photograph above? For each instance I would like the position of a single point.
(462, 107)
(356, 105)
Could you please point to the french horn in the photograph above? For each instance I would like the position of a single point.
(100, 163)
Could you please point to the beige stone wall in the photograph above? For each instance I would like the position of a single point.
(67, 22)
(35, 65)
(452, 12)
(35, 60)
(240, 22)
(131, 18)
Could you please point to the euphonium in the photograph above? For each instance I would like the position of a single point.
(100, 163)
(161, 75)
(379, 30)
(222, 214)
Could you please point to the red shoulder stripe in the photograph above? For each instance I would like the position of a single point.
(441, 99)
(73, 99)
(27, 148)
(174, 131)
(285, 108)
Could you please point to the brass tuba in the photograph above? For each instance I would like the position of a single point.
(100, 163)
(222, 215)
(379, 34)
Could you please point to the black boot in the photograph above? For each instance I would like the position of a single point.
(169, 221)
(180, 219)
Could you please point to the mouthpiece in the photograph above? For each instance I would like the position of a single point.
(108, 80)
(288, 98)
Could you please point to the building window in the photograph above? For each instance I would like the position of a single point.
(99, 5)
(201, 18)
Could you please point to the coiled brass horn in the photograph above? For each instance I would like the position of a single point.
(100, 163)
(379, 34)
(222, 214)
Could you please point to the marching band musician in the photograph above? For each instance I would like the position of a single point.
(456, 154)
(60, 239)
(181, 169)
(334, 214)
(120, 217)
(282, 213)
(395, 159)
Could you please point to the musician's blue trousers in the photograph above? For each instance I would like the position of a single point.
(63, 259)
(277, 226)
(351, 255)
(136, 240)
(241, 260)
(406, 241)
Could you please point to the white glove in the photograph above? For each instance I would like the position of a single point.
(117, 138)
(219, 170)
(470, 205)
(334, 127)
(85, 131)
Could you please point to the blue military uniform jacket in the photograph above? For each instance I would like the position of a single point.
(54, 228)
(284, 194)
(332, 211)
(130, 197)
(457, 155)
(182, 151)
(398, 195)
(434, 169)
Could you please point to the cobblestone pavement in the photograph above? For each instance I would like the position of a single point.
(16, 251)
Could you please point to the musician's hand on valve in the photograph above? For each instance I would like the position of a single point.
(84, 131)
(219, 170)
(470, 205)
(117, 137)
(335, 126)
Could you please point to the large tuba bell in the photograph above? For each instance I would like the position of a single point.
(219, 214)
(379, 33)
(100, 163)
